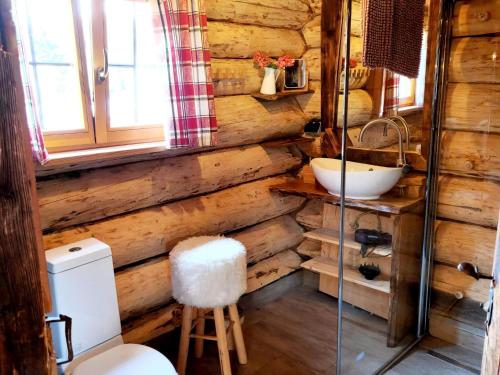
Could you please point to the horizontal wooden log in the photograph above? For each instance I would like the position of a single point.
(153, 231)
(230, 40)
(143, 288)
(469, 200)
(476, 17)
(272, 269)
(313, 57)
(455, 332)
(152, 324)
(459, 242)
(474, 107)
(309, 248)
(470, 154)
(64, 201)
(312, 29)
(450, 280)
(269, 238)
(311, 216)
(316, 7)
(474, 60)
(235, 76)
(241, 120)
(288, 14)
(360, 105)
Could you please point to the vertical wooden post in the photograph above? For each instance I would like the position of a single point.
(25, 342)
(434, 7)
(24, 347)
(331, 43)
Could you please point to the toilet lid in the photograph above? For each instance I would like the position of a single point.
(126, 359)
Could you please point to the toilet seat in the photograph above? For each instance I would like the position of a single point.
(126, 359)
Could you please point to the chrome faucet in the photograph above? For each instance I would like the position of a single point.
(405, 126)
(401, 156)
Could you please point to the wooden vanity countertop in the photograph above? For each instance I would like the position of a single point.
(386, 203)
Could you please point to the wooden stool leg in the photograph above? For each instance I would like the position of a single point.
(238, 334)
(200, 330)
(187, 316)
(220, 330)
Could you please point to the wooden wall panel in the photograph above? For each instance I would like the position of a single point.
(313, 57)
(272, 269)
(450, 280)
(312, 29)
(152, 324)
(473, 107)
(235, 76)
(143, 287)
(360, 105)
(229, 40)
(153, 231)
(469, 200)
(473, 60)
(288, 14)
(64, 201)
(476, 17)
(470, 154)
(461, 242)
(269, 238)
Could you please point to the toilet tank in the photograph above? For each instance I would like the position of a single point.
(82, 286)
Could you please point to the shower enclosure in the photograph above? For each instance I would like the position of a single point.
(376, 255)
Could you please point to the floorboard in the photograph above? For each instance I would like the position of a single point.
(296, 334)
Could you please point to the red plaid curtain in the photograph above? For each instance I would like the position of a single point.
(193, 122)
(391, 97)
(40, 153)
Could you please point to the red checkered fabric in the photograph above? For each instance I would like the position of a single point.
(38, 149)
(184, 25)
(391, 97)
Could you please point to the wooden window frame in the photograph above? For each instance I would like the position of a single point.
(105, 134)
(98, 132)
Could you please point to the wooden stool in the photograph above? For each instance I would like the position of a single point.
(208, 274)
(222, 330)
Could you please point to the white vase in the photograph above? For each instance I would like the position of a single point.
(269, 82)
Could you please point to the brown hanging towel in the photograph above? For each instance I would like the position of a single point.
(392, 35)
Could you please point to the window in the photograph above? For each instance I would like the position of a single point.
(66, 43)
(411, 90)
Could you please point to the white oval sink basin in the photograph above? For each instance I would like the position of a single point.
(363, 181)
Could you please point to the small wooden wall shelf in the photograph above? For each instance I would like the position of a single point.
(280, 95)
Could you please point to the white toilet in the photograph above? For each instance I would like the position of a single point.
(82, 286)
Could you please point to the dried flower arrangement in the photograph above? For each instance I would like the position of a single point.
(264, 61)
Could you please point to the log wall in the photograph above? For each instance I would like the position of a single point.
(142, 208)
(469, 185)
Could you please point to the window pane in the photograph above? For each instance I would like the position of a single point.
(121, 96)
(50, 53)
(138, 76)
(59, 100)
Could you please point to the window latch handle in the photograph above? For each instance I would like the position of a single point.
(102, 72)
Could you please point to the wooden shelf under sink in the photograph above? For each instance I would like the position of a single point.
(329, 267)
(332, 236)
(371, 295)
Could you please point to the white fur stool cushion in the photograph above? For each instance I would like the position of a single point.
(208, 271)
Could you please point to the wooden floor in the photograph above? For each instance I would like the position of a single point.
(296, 334)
